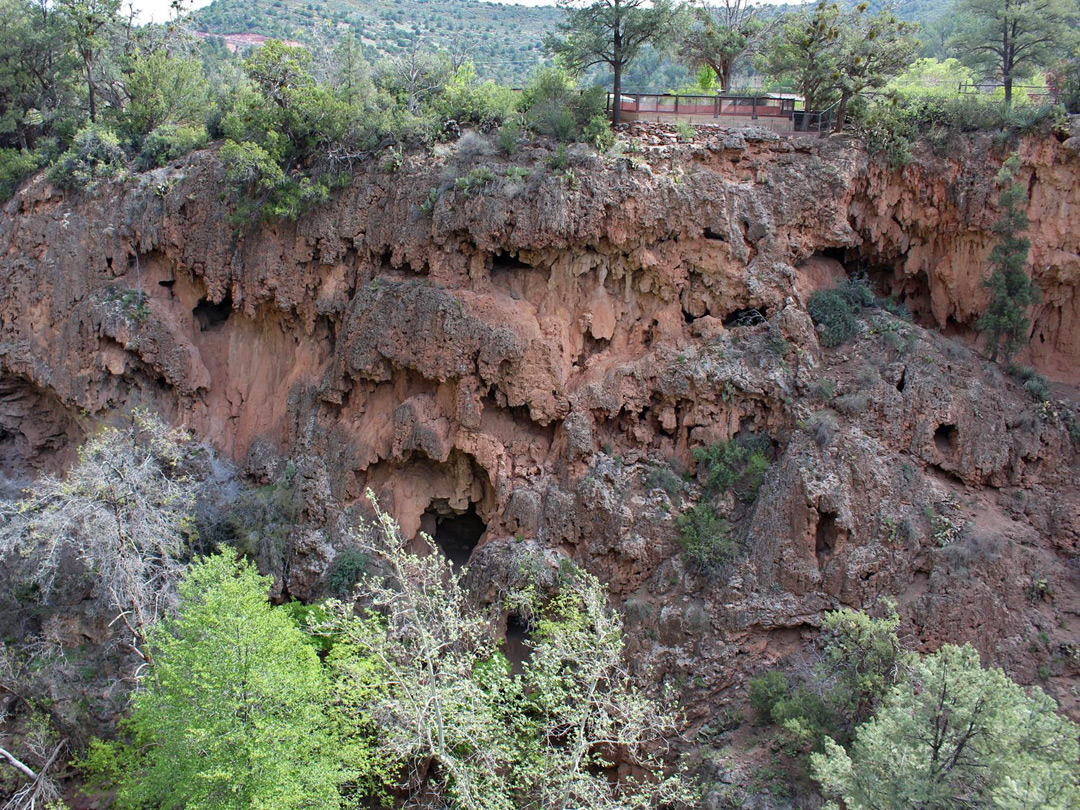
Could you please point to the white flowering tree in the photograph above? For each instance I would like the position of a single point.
(425, 666)
(124, 510)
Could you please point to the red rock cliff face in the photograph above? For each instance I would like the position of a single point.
(532, 351)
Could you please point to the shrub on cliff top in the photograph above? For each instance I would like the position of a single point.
(95, 156)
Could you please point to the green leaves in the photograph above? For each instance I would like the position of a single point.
(956, 735)
(234, 713)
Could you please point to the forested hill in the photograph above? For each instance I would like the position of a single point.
(504, 41)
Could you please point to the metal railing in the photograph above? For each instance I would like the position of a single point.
(715, 106)
(701, 106)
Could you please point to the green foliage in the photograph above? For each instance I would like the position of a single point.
(738, 463)
(163, 89)
(1037, 385)
(892, 127)
(861, 661)
(234, 715)
(478, 179)
(662, 476)
(466, 99)
(506, 40)
(599, 133)
(1011, 38)
(833, 315)
(609, 33)
(685, 130)
(954, 734)
(15, 166)
(834, 54)
(95, 157)
(835, 311)
(485, 731)
(1005, 323)
(555, 106)
(346, 571)
(170, 141)
(509, 138)
(705, 538)
(715, 38)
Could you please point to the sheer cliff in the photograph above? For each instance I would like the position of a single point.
(529, 352)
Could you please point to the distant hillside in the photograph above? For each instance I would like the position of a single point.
(505, 42)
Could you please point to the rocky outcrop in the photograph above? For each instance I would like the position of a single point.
(533, 352)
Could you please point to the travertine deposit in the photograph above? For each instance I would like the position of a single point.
(529, 352)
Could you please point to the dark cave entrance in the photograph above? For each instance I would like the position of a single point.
(516, 647)
(945, 439)
(209, 315)
(456, 534)
(827, 536)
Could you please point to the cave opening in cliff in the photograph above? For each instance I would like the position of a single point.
(946, 438)
(455, 533)
(209, 315)
(746, 317)
(826, 536)
(516, 647)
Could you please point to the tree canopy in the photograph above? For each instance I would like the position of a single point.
(953, 734)
(609, 32)
(235, 711)
(1011, 38)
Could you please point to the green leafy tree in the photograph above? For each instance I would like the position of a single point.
(37, 73)
(163, 88)
(956, 735)
(465, 729)
(1005, 322)
(870, 49)
(88, 24)
(803, 53)
(720, 35)
(609, 32)
(862, 659)
(234, 711)
(1013, 38)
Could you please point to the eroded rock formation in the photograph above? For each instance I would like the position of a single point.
(530, 352)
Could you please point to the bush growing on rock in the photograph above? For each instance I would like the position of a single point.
(835, 311)
(705, 538)
(170, 141)
(95, 156)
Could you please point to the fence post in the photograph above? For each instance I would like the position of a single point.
(753, 108)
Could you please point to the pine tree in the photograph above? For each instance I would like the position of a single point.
(1005, 321)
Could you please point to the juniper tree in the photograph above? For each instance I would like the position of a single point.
(1005, 321)
(956, 735)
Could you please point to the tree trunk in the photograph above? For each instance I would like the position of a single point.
(725, 77)
(841, 114)
(1008, 89)
(616, 107)
(90, 90)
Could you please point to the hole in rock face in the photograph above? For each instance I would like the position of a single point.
(516, 648)
(456, 535)
(717, 235)
(745, 317)
(209, 315)
(945, 438)
(828, 533)
(504, 261)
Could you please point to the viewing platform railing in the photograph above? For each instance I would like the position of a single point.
(779, 113)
